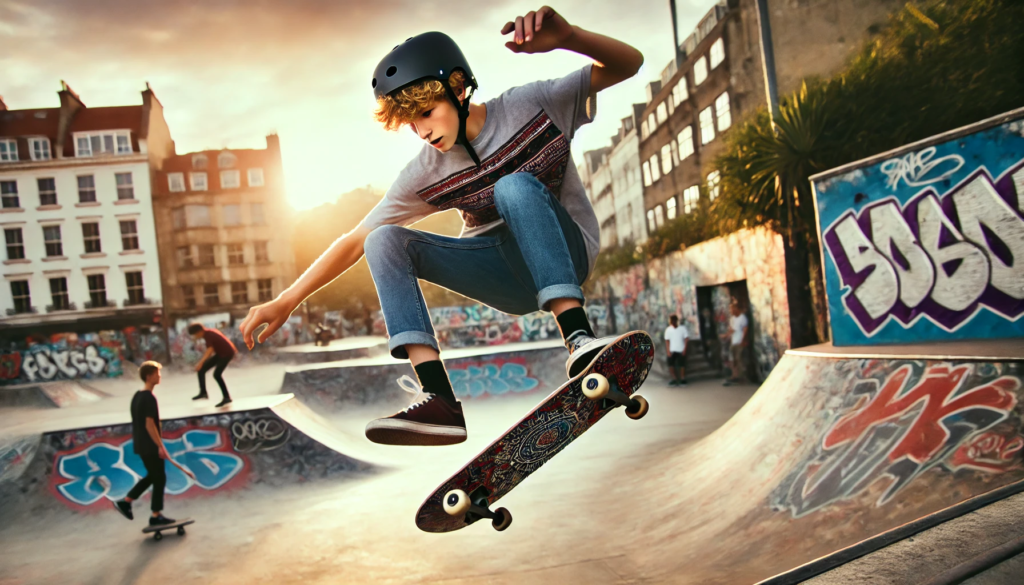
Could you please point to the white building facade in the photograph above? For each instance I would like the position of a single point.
(627, 184)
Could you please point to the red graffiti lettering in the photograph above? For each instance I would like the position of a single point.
(10, 365)
(987, 452)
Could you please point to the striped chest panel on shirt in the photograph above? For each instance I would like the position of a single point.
(539, 148)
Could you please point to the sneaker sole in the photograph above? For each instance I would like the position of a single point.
(120, 511)
(392, 432)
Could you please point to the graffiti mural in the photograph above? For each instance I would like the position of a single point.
(928, 244)
(109, 470)
(492, 378)
(15, 455)
(902, 419)
(75, 356)
(258, 434)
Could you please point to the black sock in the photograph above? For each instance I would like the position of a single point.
(573, 320)
(434, 379)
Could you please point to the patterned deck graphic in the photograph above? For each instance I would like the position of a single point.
(542, 433)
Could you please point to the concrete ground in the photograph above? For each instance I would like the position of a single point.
(362, 530)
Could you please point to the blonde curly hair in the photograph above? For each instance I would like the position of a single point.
(408, 104)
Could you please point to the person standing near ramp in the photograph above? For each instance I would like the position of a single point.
(219, 351)
(675, 347)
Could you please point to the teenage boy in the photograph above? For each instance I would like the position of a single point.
(219, 351)
(737, 342)
(149, 446)
(676, 336)
(530, 236)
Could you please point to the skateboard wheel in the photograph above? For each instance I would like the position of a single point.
(595, 386)
(158, 536)
(503, 519)
(639, 410)
(181, 530)
(456, 503)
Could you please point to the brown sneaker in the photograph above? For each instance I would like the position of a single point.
(429, 421)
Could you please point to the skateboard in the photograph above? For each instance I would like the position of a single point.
(180, 525)
(611, 380)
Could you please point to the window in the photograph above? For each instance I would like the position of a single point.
(685, 140)
(707, 125)
(8, 150)
(647, 174)
(197, 216)
(652, 122)
(650, 221)
(679, 92)
(99, 143)
(129, 235)
(176, 182)
(230, 179)
(59, 294)
(125, 190)
(15, 244)
(21, 296)
(700, 71)
(255, 177)
(210, 295)
(86, 189)
(261, 252)
(644, 131)
(136, 295)
(198, 181)
(97, 291)
(91, 237)
(659, 216)
(675, 153)
(666, 159)
(714, 178)
(717, 53)
(655, 170)
(51, 236)
(178, 218)
(690, 197)
(239, 293)
(206, 255)
(47, 191)
(184, 254)
(199, 162)
(188, 295)
(671, 106)
(235, 254)
(265, 290)
(40, 148)
(9, 194)
(662, 113)
(722, 111)
(670, 208)
(232, 214)
(226, 160)
(256, 211)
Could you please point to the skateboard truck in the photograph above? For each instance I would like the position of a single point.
(457, 502)
(597, 387)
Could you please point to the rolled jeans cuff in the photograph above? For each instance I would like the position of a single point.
(558, 291)
(397, 343)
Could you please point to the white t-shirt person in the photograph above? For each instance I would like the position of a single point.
(676, 338)
(738, 324)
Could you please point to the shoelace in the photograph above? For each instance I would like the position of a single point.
(419, 397)
(577, 339)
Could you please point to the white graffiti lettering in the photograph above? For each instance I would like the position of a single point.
(45, 364)
(916, 168)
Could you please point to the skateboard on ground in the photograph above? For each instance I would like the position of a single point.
(611, 380)
(180, 525)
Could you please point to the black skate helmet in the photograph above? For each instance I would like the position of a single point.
(431, 55)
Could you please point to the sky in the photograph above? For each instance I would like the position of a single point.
(229, 72)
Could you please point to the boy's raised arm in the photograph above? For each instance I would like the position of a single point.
(545, 30)
(343, 253)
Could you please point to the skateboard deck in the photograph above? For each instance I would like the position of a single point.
(179, 525)
(543, 432)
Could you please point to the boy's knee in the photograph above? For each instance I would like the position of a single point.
(382, 238)
(516, 187)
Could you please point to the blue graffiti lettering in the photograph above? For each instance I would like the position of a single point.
(490, 379)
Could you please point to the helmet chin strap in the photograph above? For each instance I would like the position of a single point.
(463, 109)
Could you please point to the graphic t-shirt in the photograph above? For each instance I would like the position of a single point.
(221, 345)
(144, 406)
(676, 338)
(527, 129)
(739, 328)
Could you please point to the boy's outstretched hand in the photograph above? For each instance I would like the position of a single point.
(274, 314)
(538, 32)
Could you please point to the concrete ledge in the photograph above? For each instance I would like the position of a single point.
(979, 350)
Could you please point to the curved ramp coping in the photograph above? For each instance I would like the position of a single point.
(834, 450)
(476, 373)
(263, 440)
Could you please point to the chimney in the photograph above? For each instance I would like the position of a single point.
(274, 143)
(3, 106)
(70, 103)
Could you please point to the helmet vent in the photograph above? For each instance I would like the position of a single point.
(374, 83)
(391, 71)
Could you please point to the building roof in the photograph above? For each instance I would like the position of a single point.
(245, 158)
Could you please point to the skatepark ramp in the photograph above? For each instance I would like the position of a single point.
(59, 394)
(833, 449)
(272, 440)
(338, 349)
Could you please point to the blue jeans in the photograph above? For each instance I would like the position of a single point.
(536, 256)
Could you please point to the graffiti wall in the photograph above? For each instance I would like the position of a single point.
(74, 356)
(927, 243)
(644, 296)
